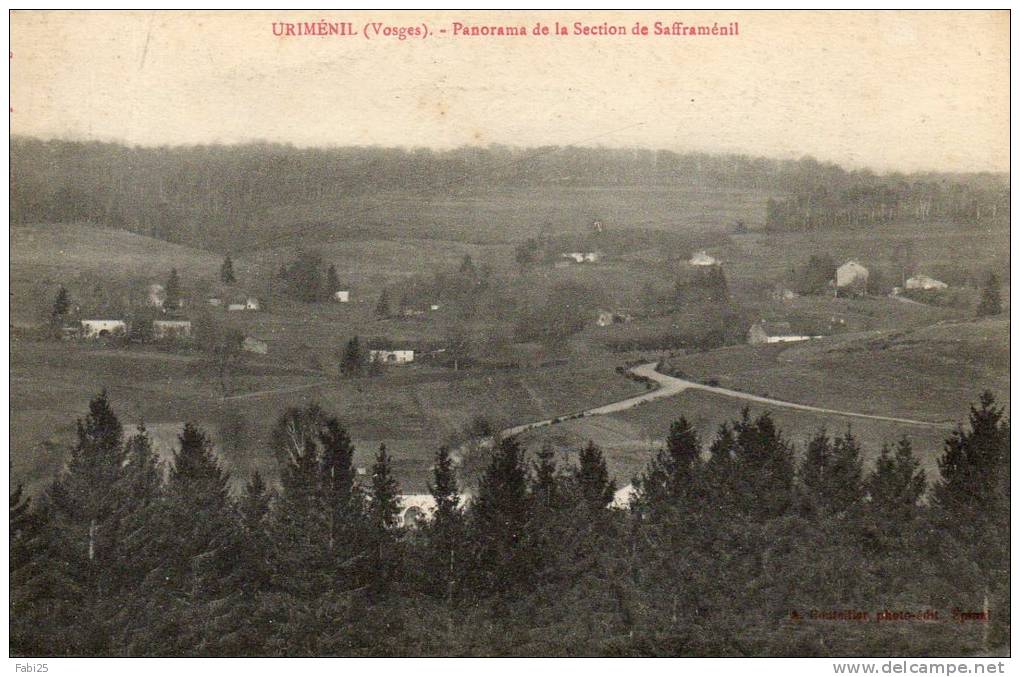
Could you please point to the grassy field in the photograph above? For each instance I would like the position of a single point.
(503, 216)
(412, 410)
(896, 358)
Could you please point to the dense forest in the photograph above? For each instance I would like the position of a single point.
(212, 196)
(741, 547)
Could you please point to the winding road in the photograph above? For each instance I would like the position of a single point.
(671, 385)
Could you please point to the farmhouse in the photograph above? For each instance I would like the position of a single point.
(91, 329)
(703, 258)
(604, 318)
(391, 356)
(171, 329)
(343, 296)
(774, 332)
(250, 303)
(254, 345)
(852, 278)
(925, 283)
(582, 257)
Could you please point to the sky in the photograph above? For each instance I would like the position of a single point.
(904, 91)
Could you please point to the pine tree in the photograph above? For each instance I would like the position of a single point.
(173, 291)
(384, 505)
(354, 360)
(815, 474)
(317, 524)
(444, 489)
(672, 476)
(445, 532)
(61, 304)
(546, 483)
(971, 498)
(143, 473)
(499, 514)
(85, 497)
(332, 279)
(763, 473)
(191, 549)
(991, 300)
(895, 488)
(847, 486)
(591, 477)
(382, 308)
(383, 517)
(227, 271)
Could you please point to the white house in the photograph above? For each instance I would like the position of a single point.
(342, 296)
(254, 345)
(703, 258)
(252, 303)
(774, 332)
(852, 276)
(925, 283)
(582, 257)
(391, 356)
(102, 328)
(171, 329)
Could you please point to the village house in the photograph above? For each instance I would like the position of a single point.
(391, 356)
(851, 278)
(171, 329)
(92, 329)
(342, 296)
(582, 257)
(250, 303)
(703, 258)
(215, 301)
(763, 332)
(254, 345)
(925, 283)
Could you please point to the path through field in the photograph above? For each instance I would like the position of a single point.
(671, 385)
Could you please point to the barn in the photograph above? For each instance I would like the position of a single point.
(391, 356)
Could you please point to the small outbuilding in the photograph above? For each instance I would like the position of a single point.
(925, 283)
(342, 296)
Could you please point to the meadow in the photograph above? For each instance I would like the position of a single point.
(889, 357)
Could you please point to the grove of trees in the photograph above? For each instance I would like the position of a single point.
(726, 548)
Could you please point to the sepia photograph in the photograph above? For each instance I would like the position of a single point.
(477, 333)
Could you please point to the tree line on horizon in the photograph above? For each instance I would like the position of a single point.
(723, 551)
(214, 196)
